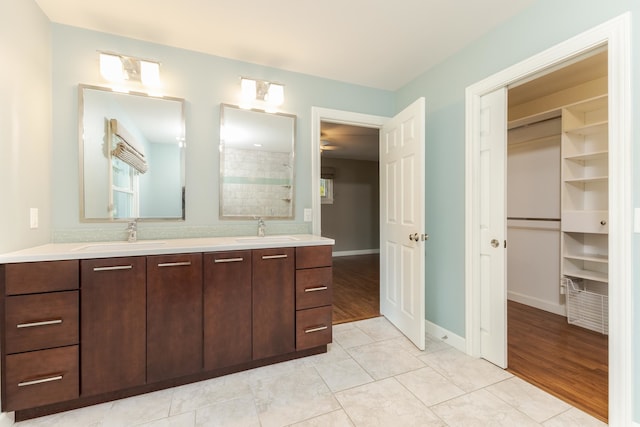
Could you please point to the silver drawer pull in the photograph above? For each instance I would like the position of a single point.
(319, 288)
(43, 323)
(112, 268)
(274, 256)
(228, 260)
(315, 329)
(40, 381)
(174, 264)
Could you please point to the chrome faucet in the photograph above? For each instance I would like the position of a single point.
(261, 227)
(132, 228)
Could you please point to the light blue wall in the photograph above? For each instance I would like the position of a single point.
(204, 81)
(545, 24)
(25, 124)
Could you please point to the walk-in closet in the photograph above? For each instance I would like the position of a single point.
(557, 231)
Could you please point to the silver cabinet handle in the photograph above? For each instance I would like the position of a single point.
(274, 256)
(43, 323)
(228, 260)
(40, 381)
(319, 288)
(114, 267)
(174, 264)
(315, 329)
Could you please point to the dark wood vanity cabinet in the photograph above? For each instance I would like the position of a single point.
(113, 295)
(79, 332)
(174, 316)
(273, 302)
(227, 309)
(314, 296)
(40, 334)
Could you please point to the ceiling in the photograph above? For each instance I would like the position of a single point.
(577, 72)
(376, 43)
(349, 142)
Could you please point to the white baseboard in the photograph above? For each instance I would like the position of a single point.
(357, 252)
(455, 341)
(538, 303)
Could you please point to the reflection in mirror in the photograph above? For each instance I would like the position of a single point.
(132, 156)
(256, 163)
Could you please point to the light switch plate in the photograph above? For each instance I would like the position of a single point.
(33, 218)
(308, 215)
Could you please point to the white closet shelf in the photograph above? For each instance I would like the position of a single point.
(589, 129)
(586, 105)
(601, 178)
(595, 155)
(604, 259)
(588, 275)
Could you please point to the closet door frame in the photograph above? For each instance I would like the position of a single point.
(616, 35)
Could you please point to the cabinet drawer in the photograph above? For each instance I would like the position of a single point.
(34, 277)
(40, 378)
(313, 287)
(40, 321)
(313, 256)
(585, 221)
(313, 327)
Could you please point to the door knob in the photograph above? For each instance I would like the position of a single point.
(495, 243)
(414, 237)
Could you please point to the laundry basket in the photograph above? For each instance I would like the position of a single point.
(587, 306)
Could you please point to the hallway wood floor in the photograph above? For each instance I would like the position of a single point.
(356, 288)
(565, 360)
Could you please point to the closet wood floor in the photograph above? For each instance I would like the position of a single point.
(356, 288)
(565, 360)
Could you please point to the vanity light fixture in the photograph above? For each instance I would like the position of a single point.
(118, 68)
(261, 94)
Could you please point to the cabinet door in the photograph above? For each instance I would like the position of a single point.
(174, 316)
(227, 309)
(273, 302)
(113, 324)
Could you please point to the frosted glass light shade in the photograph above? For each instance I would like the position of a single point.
(275, 95)
(150, 73)
(111, 67)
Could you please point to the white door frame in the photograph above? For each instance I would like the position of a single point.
(616, 34)
(319, 115)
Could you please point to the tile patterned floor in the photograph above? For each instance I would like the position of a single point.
(371, 376)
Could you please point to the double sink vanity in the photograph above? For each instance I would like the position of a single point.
(84, 323)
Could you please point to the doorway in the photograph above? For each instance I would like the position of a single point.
(615, 35)
(557, 352)
(402, 234)
(350, 214)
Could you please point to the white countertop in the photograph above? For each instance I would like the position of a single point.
(87, 250)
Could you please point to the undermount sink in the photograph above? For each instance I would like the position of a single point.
(266, 239)
(118, 246)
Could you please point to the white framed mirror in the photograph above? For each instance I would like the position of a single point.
(132, 156)
(257, 153)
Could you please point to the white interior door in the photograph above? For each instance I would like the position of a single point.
(493, 312)
(402, 221)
